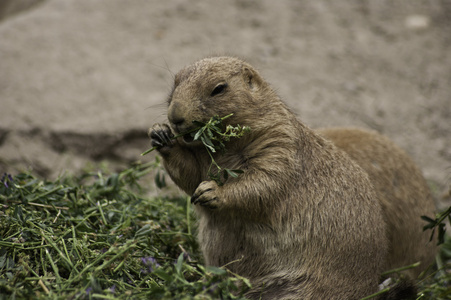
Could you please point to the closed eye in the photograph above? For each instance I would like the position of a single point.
(220, 88)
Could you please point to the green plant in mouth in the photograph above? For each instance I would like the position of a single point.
(213, 135)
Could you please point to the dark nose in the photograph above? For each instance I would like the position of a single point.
(175, 115)
(177, 120)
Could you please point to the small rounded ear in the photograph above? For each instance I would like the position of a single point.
(252, 78)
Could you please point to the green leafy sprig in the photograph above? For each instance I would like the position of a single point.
(438, 222)
(213, 135)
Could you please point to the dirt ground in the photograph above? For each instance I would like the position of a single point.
(82, 80)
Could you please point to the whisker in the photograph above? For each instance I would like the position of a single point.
(160, 106)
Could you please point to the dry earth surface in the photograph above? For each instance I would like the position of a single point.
(82, 80)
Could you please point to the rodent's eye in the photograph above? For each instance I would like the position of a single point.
(220, 88)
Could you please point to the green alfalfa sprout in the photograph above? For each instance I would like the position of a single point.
(213, 135)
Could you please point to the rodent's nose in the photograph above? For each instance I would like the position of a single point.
(175, 116)
(178, 120)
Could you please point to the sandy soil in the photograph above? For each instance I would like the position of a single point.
(82, 80)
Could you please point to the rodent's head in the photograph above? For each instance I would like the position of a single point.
(216, 86)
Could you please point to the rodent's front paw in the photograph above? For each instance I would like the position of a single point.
(161, 136)
(206, 195)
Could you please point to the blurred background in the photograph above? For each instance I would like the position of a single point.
(81, 81)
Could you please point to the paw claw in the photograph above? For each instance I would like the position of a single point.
(205, 195)
(161, 136)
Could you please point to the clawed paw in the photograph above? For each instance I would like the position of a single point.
(161, 136)
(206, 195)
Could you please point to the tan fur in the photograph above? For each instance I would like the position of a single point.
(304, 220)
(402, 190)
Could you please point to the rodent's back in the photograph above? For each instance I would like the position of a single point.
(402, 191)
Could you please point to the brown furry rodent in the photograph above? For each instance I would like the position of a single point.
(304, 220)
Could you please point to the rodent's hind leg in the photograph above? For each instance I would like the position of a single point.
(161, 136)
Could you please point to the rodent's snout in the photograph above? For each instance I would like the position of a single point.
(178, 121)
(176, 118)
(177, 125)
(180, 124)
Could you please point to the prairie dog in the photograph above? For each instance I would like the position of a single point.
(304, 220)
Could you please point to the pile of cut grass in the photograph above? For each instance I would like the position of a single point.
(101, 237)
